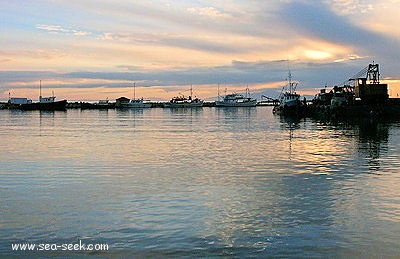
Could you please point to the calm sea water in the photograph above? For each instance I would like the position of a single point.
(209, 182)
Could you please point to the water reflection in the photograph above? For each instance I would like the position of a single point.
(235, 112)
(372, 141)
(290, 123)
(322, 141)
(328, 191)
(242, 118)
(185, 110)
(370, 137)
(44, 118)
(207, 182)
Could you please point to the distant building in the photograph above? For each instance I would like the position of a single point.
(121, 100)
(18, 101)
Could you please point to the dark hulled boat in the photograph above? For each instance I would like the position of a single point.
(44, 104)
(289, 100)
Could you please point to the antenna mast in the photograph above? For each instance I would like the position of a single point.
(40, 91)
(134, 90)
(290, 81)
(218, 91)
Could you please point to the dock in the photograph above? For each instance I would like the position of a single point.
(363, 96)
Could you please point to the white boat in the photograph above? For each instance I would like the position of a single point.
(124, 102)
(184, 102)
(134, 103)
(236, 100)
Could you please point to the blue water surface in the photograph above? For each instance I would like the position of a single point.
(208, 182)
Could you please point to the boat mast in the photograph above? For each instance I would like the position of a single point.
(218, 92)
(134, 90)
(290, 81)
(40, 91)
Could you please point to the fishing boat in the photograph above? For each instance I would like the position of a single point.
(45, 103)
(124, 102)
(236, 100)
(289, 100)
(182, 101)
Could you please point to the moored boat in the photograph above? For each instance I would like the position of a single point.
(101, 104)
(124, 102)
(236, 100)
(289, 100)
(184, 102)
(49, 106)
(45, 103)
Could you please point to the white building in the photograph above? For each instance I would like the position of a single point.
(18, 100)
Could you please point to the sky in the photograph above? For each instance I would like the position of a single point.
(98, 49)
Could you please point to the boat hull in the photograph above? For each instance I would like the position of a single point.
(183, 105)
(294, 110)
(134, 106)
(51, 106)
(291, 103)
(236, 104)
(98, 106)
